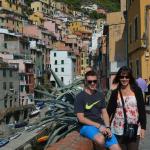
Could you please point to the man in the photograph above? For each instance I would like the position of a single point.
(89, 107)
(142, 84)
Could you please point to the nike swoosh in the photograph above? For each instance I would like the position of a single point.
(90, 106)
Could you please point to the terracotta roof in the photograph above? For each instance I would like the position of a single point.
(78, 33)
(62, 47)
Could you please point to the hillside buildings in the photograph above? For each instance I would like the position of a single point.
(34, 39)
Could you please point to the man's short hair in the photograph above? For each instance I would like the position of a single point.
(90, 73)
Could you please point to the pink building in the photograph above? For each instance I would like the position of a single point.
(52, 26)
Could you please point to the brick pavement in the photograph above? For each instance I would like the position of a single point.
(145, 144)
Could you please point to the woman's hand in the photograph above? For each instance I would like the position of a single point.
(142, 133)
(109, 132)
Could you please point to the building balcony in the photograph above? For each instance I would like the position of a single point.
(40, 42)
(28, 62)
(22, 82)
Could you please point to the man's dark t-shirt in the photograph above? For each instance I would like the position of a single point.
(90, 105)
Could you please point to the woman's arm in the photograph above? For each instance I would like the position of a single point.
(105, 117)
(141, 108)
(112, 103)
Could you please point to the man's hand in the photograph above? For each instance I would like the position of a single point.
(105, 131)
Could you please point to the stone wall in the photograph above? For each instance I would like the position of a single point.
(73, 141)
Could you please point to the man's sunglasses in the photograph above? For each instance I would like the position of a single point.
(91, 81)
(122, 77)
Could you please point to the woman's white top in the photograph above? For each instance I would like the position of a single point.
(117, 125)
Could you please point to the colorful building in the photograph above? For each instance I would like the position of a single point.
(115, 31)
(41, 6)
(138, 37)
(11, 15)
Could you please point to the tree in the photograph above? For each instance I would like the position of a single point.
(95, 15)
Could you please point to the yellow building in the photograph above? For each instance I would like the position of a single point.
(11, 16)
(75, 26)
(11, 6)
(116, 42)
(138, 37)
(84, 60)
(37, 18)
(79, 26)
(41, 6)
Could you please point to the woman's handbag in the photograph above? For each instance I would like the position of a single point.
(130, 130)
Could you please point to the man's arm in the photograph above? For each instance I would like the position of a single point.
(87, 121)
(105, 117)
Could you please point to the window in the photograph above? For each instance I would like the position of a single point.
(21, 88)
(62, 69)
(55, 62)
(130, 34)
(21, 77)
(62, 61)
(130, 1)
(19, 101)
(62, 79)
(87, 61)
(82, 55)
(4, 85)
(4, 73)
(82, 62)
(69, 54)
(131, 66)
(10, 73)
(5, 45)
(56, 70)
(54, 54)
(11, 85)
(11, 102)
(136, 29)
(137, 68)
(5, 103)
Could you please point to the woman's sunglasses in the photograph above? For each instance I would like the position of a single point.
(91, 81)
(126, 77)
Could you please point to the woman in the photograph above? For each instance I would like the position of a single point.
(134, 107)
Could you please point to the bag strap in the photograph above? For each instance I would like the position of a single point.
(123, 105)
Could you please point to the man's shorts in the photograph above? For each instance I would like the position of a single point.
(91, 131)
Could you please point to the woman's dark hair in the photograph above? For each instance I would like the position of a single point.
(127, 71)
